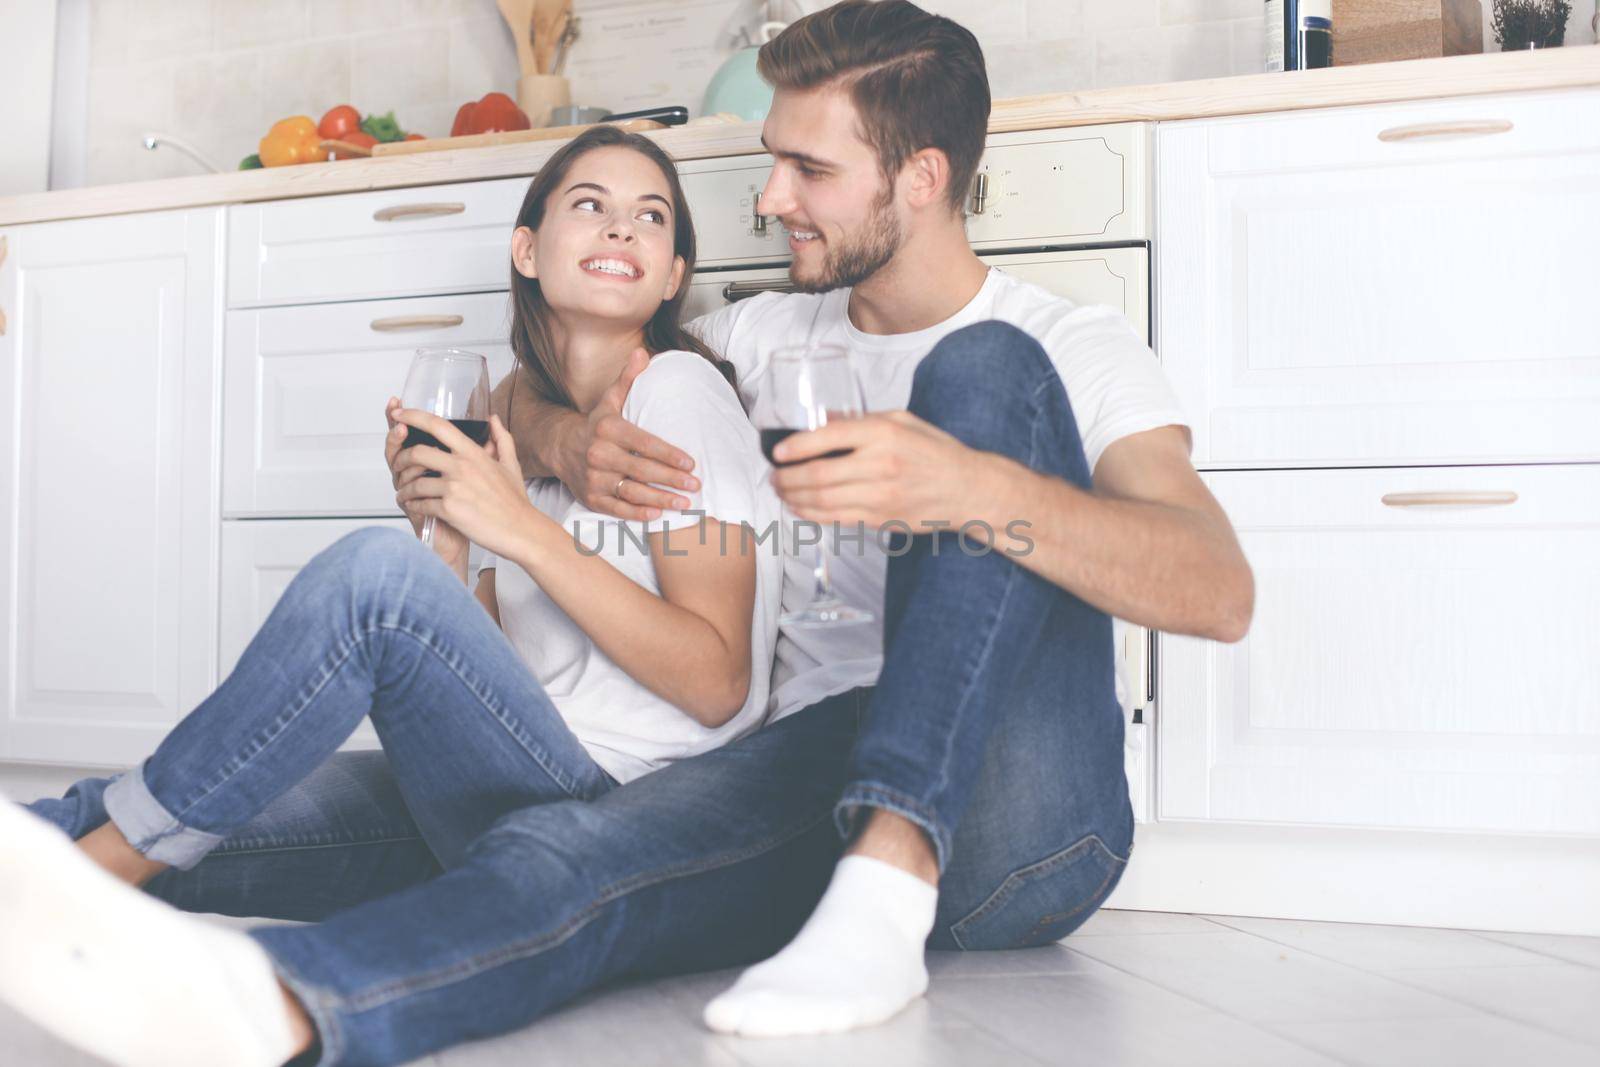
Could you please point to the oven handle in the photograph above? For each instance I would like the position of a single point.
(736, 291)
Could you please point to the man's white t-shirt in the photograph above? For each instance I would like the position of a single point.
(626, 728)
(1113, 383)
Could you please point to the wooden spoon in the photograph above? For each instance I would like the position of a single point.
(344, 149)
(549, 17)
(519, 15)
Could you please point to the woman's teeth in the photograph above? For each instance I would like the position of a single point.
(610, 266)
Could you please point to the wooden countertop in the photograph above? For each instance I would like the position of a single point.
(1416, 79)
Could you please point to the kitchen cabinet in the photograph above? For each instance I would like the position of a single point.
(108, 482)
(1374, 319)
(1385, 285)
(1420, 657)
(303, 398)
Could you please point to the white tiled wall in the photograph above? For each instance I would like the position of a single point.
(219, 72)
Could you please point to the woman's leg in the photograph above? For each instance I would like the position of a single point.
(377, 624)
(341, 836)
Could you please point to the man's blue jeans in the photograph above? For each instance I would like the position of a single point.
(994, 725)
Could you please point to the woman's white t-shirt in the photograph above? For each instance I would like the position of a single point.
(627, 729)
(1113, 382)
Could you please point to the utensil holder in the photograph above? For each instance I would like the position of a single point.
(537, 94)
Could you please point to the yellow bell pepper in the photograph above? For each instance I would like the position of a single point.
(292, 140)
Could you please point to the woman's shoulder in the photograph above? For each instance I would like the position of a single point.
(683, 380)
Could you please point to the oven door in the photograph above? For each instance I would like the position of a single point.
(1116, 277)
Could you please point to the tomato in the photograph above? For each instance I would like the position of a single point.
(365, 140)
(339, 123)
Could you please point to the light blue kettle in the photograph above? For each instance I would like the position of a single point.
(736, 88)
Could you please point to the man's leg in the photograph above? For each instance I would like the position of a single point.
(707, 863)
(997, 687)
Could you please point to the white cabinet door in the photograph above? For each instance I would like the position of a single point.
(1386, 285)
(108, 483)
(305, 389)
(1422, 656)
(259, 560)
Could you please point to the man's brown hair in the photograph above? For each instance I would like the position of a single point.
(917, 80)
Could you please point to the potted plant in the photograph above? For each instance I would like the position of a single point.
(1520, 24)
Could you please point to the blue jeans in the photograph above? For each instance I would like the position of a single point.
(994, 725)
(376, 624)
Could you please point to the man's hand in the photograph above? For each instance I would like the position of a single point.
(447, 540)
(899, 467)
(614, 468)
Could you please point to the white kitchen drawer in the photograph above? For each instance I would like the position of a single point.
(1408, 667)
(1327, 298)
(259, 560)
(1086, 184)
(304, 389)
(399, 242)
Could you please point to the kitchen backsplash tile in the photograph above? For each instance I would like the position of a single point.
(219, 72)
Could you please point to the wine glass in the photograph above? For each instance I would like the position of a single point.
(453, 384)
(807, 387)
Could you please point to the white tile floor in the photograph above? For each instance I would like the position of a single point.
(1129, 988)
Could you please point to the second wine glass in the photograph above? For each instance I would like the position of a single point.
(453, 384)
(807, 387)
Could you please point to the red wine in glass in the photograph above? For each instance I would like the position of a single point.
(772, 435)
(453, 384)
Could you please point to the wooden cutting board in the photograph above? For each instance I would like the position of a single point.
(483, 140)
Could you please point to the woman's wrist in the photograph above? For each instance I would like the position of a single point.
(538, 538)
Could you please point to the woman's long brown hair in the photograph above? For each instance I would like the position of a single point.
(531, 337)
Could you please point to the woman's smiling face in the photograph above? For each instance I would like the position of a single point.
(605, 247)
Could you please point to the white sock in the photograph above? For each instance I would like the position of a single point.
(856, 962)
(121, 975)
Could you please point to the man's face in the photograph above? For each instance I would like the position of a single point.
(828, 191)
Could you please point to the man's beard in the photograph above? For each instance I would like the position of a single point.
(854, 262)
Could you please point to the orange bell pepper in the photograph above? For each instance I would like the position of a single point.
(291, 140)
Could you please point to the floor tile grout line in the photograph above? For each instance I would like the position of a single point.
(1488, 935)
(1005, 1041)
(1476, 1008)
(1251, 1023)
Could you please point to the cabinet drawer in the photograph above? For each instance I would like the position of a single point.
(400, 242)
(1425, 663)
(1327, 297)
(304, 389)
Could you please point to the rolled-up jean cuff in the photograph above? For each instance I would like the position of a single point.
(318, 1005)
(872, 795)
(150, 828)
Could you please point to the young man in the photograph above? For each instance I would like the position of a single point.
(981, 752)
(876, 130)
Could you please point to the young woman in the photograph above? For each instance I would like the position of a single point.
(568, 672)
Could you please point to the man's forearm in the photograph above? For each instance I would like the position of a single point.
(535, 424)
(1157, 565)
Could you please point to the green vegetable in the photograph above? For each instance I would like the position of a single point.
(250, 162)
(383, 127)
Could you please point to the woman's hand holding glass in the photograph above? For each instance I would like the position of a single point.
(447, 540)
(479, 492)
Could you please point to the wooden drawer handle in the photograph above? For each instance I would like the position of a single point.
(417, 211)
(1469, 498)
(1468, 128)
(397, 323)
